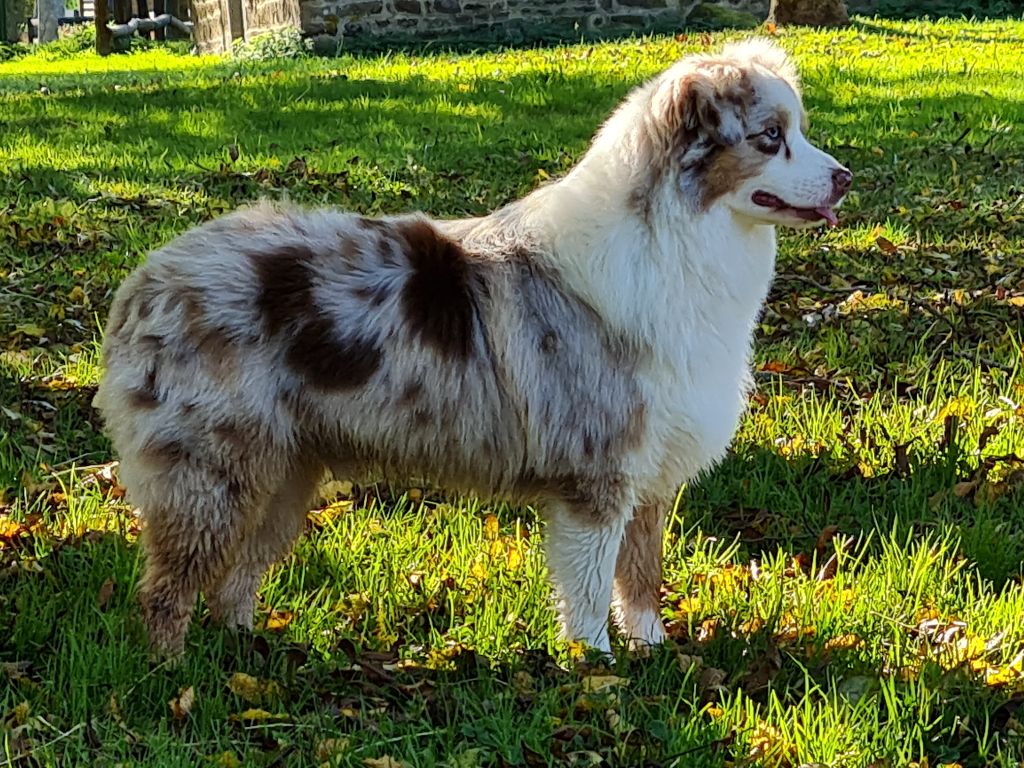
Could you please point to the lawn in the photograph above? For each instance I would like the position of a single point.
(844, 590)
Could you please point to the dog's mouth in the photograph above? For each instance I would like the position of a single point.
(776, 203)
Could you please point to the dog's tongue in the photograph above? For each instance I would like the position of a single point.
(828, 215)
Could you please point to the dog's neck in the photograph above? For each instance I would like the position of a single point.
(705, 262)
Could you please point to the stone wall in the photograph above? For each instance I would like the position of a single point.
(218, 23)
(264, 15)
(501, 20)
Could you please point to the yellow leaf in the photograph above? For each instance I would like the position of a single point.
(768, 746)
(843, 642)
(959, 406)
(491, 527)
(599, 683)
(576, 649)
(78, 295)
(225, 759)
(714, 712)
(328, 749)
(251, 689)
(276, 621)
(1016, 301)
(382, 762)
(21, 712)
(689, 605)
(478, 570)
(415, 494)
(258, 716)
(515, 559)
(496, 550)
(182, 705)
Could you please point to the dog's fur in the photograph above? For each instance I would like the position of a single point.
(585, 349)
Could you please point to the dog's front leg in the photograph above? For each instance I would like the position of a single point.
(638, 578)
(583, 543)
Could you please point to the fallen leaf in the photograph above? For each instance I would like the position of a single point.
(103, 596)
(21, 712)
(328, 749)
(181, 705)
(226, 759)
(251, 689)
(277, 621)
(599, 683)
(886, 245)
(382, 762)
(259, 716)
(965, 488)
(712, 680)
(478, 570)
(514, 560)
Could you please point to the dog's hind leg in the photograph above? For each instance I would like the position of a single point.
(583, 542)
(638, 578)
(231, 597)
(193, 518)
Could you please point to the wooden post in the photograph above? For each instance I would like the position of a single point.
(104, 40)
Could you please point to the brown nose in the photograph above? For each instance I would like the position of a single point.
(841, 181)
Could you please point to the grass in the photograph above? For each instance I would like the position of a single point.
(845, 589)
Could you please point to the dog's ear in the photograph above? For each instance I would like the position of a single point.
(711, 101)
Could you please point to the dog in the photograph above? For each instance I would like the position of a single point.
(584, 349)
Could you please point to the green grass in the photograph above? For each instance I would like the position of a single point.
(845, 589)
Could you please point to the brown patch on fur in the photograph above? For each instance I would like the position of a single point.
(412, 393)
(161, 451)
(728, 169)
(636, 427)
(286, 302)
(233, 436)
(143, 399)
(286, 289)
(329, 362)
(438, 297)
(638, 568)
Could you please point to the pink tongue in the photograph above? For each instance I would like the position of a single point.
(828, 215)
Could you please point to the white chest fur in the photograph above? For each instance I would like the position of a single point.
(700, 379)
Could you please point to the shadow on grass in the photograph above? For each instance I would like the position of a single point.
(872, 27)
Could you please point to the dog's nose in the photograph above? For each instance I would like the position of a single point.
(841, 181)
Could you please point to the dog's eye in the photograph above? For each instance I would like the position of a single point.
(773, 132)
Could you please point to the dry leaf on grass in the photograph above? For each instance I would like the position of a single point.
(600, 683)
(382, 762)
(181, 705)
(251, 689)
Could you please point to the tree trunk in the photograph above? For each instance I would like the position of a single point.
(104, 40)
(50, 12)
(812, 13)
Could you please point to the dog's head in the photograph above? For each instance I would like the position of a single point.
(732, 129)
